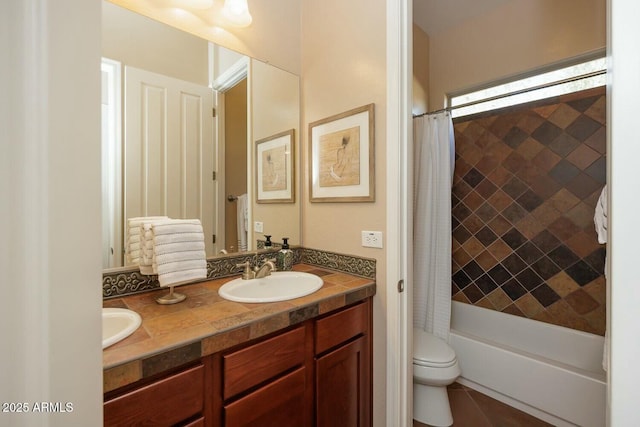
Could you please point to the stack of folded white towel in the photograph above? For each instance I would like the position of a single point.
(133, 250)
(173, 249)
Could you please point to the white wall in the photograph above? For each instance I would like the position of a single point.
(344, 67)
(50, 191)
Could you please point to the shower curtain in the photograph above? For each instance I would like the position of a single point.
(433, 176)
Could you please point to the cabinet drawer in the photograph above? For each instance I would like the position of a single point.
(340, 327)
(281, 403)
(251, 366)
(164, 402)
(196, 423)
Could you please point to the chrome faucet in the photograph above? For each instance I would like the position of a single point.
(265, 269)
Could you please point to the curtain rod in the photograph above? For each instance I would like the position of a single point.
(442, 110)
(518, 92)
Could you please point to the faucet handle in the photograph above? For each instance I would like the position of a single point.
(247, 274)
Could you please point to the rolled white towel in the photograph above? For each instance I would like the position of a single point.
(135, 253)
(134, 238)
(133, 224)
(146, 246)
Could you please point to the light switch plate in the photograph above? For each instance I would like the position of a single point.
(372, 239)
(258, 226)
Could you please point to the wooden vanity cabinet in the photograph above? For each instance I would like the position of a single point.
(315, 374)
(343, 392)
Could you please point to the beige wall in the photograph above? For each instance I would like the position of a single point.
(420, 71)
(518, 36)
(343, 67)
(275, 107)
(279, 47)
(141, 42)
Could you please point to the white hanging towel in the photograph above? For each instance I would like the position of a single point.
(132, 237)
(600, 219)
(178, 251)
(243, 221)
(600, 216)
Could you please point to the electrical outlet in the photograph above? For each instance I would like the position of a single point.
(258, 226)
(372, 239)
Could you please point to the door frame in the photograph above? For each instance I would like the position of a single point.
(399, 214)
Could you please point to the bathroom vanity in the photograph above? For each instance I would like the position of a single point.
(304, 362)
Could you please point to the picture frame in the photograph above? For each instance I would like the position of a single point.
(341, 157)
(275, 168)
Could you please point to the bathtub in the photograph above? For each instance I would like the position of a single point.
(548, 371)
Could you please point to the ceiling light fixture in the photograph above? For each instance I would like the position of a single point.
(237, 13)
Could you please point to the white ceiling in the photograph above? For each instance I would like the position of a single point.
(434, 16)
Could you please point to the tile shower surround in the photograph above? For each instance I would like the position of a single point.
(527, 179)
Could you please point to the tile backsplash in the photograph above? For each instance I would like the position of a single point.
(526, 183)
(126, 281)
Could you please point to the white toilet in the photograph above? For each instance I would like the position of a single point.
(435, 366)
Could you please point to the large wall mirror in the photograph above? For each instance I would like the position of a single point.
(167, 152)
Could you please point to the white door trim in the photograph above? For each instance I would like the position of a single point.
(399, 213)
(623, 152)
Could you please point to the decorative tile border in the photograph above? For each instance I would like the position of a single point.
(363, 267)
(126, 281)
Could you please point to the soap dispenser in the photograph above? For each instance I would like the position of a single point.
(284, 258)
(267, 242)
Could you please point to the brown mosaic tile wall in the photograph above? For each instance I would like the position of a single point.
(526, 182)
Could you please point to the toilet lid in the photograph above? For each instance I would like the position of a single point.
(429, 350)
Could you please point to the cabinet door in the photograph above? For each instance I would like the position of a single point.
(167, 401)
(342, 386)
(281, 403)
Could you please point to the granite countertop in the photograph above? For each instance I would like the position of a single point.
(205, 323)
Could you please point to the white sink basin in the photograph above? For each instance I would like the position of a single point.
(117, 324)
(279, 286)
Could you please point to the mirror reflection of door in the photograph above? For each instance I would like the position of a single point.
(235, 140)
(169, 149)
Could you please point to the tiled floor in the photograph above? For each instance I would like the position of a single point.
(473, 409)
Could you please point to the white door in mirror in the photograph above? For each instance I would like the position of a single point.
(117, 324)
